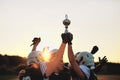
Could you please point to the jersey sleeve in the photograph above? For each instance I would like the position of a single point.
(86, 70)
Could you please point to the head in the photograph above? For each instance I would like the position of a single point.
(85, 58)
(34, 57)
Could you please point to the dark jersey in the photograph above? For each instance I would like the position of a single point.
(62, 75)
(31, 73)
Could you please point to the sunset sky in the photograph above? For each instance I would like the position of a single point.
(93, 22)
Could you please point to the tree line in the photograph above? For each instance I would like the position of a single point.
(11, 65)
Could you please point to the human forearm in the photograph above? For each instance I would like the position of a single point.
(71, 55)
(74, 63)
(60, 53)
(34, 48)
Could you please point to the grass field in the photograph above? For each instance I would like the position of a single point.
(100, 77)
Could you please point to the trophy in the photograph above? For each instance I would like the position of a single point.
(66, 22)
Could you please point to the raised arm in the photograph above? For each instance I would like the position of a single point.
(72, 60)
(34, 55)
(61, 49)
(74, 63)
(102, 62)
(53, 65)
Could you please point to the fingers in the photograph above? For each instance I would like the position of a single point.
(99, 59)
(103, 60)
(70, 38)
(67, 38)
(64, 38)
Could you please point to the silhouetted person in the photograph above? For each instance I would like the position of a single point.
(102, 61)
(83, 62)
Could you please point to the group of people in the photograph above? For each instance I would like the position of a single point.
(81, 66)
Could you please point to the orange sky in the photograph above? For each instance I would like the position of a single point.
(93, 22)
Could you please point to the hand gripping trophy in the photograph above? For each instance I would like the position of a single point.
(66, 22)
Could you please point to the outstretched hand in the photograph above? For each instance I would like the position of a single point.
(64, 37)
(36, 41)
(70, 38)
(67, 38)
(103, 61)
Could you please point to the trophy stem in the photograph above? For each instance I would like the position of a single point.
(66, 30)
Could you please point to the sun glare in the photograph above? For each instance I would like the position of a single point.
(46, 55)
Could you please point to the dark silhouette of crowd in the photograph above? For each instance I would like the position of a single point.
(81, 66)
